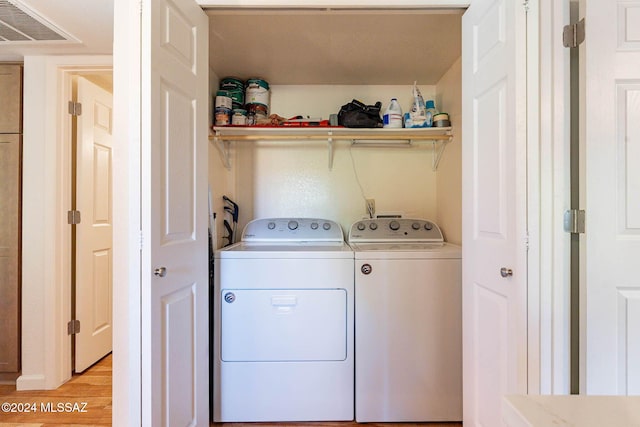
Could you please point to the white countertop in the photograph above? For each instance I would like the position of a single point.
(580, 411)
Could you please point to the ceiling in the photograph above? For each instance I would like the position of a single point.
(86, 25)
(293, 46)
(335, 47)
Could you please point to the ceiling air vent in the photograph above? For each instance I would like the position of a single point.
(19, 24)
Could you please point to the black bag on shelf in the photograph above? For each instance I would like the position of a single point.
(358, 115)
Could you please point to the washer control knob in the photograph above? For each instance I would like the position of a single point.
(415, 226)
(373, 226)
(366, 269)
(428, 226)
(314, 225)
(229, 297)
(360, 226)
(326, 226)
(394, 225)
(293, 225)
(271, 225)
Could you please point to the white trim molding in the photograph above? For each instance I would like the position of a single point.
(46, 236)
(550, 195)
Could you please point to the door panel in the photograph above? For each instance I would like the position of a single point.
(494, 202)
(490, 148)
(175, 376)
(176, 157)
(94, 287)
(10, 169)
(11, 90)
(269, 325)
(178, 316)
(610, 60)
(490, 326)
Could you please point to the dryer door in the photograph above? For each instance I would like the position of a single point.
(283, 325)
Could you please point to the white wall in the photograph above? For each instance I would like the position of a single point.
(40, 271)
(221, 180)
(292, 178)
(449, 176)
(127, 264)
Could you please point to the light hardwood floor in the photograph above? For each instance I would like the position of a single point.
(94, 388)
(337, 424)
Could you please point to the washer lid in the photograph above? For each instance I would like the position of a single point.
(300, 250)
(409, 250)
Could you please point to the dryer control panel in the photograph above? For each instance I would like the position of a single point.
(292, 230)
(395, 230)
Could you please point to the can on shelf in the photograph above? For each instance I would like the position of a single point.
(222, 116)
(235, 87)
(239, 117)
(223, 99)
(230, 83)
(257, 92)
(441, 120)
(256, 112)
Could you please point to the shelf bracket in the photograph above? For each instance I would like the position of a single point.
(223, 147)
(330, 148)
(438, 151)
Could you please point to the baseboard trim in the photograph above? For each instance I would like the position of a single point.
(30, 382)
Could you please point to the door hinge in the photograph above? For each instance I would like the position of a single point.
(75, 108)
(573, 34)
(73, 327)
(73, 217)
(574, 221)
(525, 4)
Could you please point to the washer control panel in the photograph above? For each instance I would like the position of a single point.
(395, 230)
(292, 230)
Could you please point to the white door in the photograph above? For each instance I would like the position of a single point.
(610, 314)
(94, 247)
(494, 206)
(175, 342)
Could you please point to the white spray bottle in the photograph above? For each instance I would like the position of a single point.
(418, 114)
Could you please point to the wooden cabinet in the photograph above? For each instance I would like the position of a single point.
(11, 107)
(10, 213)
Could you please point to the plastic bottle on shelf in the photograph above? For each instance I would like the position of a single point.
(417, 115)
(392, 117)
(431, 111)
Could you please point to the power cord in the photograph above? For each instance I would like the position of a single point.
(370, 208)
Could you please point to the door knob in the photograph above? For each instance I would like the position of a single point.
(160, 272)
(506, 272)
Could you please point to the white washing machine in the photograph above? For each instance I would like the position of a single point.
(408, 322)
(283, 324)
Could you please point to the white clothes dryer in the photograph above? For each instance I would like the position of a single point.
(408, 322)
(283, 324)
